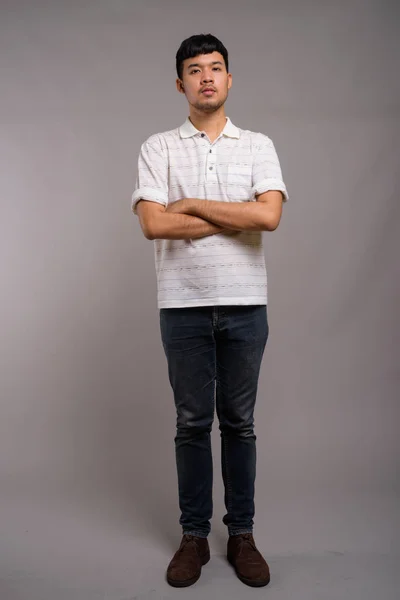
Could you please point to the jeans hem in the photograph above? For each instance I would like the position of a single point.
(195, 533)
(239, 531)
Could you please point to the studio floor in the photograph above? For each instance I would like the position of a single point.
(337, 548)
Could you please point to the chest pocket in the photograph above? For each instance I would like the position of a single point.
(240, 180)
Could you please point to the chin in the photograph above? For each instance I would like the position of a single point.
(209, 106)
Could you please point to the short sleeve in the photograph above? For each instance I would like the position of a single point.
(152, 177)
(267, 174)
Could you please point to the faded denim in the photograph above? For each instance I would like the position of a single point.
(214, 355)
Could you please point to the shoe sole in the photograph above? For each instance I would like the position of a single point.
(249, 582)
(187, 582)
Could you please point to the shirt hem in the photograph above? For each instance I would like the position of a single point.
(253, 300)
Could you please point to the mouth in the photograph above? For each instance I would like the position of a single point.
(208, 92)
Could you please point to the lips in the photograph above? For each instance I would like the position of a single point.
(207, 90)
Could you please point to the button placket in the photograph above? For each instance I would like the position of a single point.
(211, 164)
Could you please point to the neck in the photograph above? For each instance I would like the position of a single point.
(212, 123)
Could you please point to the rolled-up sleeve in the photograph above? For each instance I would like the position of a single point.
(267, 173)
(152, 176)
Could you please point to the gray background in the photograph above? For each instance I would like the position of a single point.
(87, 470)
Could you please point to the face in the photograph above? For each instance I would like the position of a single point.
(202, 72)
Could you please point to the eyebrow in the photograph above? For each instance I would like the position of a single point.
(214, 62)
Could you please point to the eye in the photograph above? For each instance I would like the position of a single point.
(193, 71)
(217, 68)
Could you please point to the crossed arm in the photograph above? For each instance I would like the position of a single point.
(194, 218)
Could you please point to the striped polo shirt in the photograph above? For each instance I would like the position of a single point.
(183, 163)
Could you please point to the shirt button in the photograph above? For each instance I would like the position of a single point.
(203, 134)
(210, 151)
(211, 168)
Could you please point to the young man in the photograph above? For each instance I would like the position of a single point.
(205, 192)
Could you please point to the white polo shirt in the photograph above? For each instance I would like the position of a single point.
(183, 163)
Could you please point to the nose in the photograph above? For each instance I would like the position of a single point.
(207, 77)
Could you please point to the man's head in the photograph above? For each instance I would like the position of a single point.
(202, 65)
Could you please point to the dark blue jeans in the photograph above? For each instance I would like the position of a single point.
(214, 356)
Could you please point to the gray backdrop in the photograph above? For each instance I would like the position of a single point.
(87, 468)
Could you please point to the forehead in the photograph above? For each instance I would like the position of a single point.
(204, 59)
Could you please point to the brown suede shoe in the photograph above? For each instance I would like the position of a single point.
(185, 566)
(247, 561)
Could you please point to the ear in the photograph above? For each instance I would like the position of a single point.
(179, 86)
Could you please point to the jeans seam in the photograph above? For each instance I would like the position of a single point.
(225, 458)
(228, 480)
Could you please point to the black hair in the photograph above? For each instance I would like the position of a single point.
(199, 44)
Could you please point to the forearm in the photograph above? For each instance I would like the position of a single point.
(240, 216)
(170, 226)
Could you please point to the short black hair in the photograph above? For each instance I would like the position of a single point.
(204, 43)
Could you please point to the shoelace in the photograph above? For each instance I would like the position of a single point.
(246, 539)
(186, 541)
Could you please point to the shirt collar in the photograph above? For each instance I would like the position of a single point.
(189, 130)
